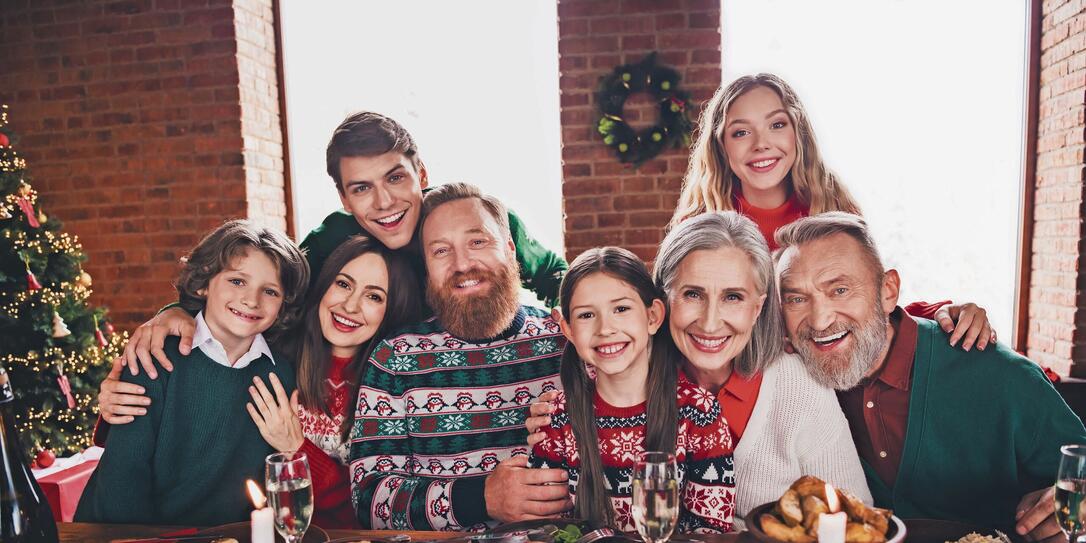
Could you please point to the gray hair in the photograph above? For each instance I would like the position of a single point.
(722, 229)
(824, 225)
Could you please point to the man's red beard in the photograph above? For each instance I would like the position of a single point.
(481, 315)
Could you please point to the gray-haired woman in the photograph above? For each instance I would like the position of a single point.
(724, 316)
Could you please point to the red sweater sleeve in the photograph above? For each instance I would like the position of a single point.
(925, 310)
(332, 506)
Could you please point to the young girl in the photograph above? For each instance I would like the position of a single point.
(756, 154)
(358, 301)
(186, 462)
(612, 315)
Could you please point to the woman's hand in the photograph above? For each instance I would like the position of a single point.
(276, 416)
(539, 416)
(120, 402)
(967, 323)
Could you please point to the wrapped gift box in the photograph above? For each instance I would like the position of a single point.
(64, 482)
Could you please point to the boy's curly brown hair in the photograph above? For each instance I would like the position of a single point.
(233, 239)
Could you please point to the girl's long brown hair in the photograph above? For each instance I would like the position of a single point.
(661, 409)
(710, 181)
(313, 353)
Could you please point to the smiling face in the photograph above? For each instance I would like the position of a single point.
(384, 193)
(471, 267)
(836, 308)
(714, 302)
(611, 327)
(354, 305)
(243, 300)
(760, 143)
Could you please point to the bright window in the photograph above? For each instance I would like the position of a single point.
(475, 83)
(918, 106)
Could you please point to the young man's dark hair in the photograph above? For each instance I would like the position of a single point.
(368, 134)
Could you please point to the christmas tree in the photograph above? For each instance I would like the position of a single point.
(56, 347)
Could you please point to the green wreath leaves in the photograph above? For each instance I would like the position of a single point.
(672, 128)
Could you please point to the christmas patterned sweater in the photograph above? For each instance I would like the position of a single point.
(328, 451)
(436, 413)
(703, 451)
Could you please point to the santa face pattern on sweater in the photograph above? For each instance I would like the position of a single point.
(703, 451)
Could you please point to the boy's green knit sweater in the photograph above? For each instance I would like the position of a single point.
(984, 428)
(187, 460)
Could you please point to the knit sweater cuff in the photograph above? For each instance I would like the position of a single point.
(325, 471)
(468, 501)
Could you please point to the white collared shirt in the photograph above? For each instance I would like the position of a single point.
(214, 350)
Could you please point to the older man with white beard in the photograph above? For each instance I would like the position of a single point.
(443, 402)
(942, 433)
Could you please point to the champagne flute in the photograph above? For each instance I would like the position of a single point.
(655, 506)
(290, 493)
(1070, 491)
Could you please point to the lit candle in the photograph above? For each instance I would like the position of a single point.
(831, 526)
(260, 520)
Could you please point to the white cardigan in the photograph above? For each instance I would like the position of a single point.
(797, 428)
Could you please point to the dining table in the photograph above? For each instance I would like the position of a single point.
(85, 532)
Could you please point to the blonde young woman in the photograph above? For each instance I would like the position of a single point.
(756, 154)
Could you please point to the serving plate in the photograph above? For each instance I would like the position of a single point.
(243, 532)
(896, 533)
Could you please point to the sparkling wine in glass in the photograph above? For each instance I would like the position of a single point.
(655, 505)
(1071, 491)
(290, 493)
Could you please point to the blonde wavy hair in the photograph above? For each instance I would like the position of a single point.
(709, 180)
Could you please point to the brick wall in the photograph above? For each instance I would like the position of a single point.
(605, 202)
(1057, 321)
(136, 130)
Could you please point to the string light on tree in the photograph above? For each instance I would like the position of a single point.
(55, 346)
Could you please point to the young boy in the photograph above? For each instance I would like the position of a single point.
(186, 462)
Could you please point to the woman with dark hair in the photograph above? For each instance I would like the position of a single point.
(363, 291)
(353, 302)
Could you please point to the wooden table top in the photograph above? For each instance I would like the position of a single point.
(81, 532)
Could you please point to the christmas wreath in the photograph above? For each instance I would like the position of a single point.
(672, 128)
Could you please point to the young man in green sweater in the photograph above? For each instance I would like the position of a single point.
(186, 462)
(943, 433)
(381, 180)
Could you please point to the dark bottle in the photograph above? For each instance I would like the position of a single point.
(25, 515)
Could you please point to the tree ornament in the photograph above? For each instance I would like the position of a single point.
(4, 213)
(4, 141)
(60, 329)
(66, 390)
(98, 335)
(85, 280)
(672, 128)
(24, 189)
(45, 458)
(109, 327)
(42, 217)
(28, 210)
(31, 281)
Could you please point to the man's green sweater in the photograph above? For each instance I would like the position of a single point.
(984, 428)
(541, 270)
(187, 460)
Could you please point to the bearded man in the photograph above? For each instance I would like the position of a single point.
(944, 433)
(443, 402)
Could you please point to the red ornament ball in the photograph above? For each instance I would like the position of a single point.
(45, 458)
(4, 141)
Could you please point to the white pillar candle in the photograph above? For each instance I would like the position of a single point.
(831, 527)
(261, 522)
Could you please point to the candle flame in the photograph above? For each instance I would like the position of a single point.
(255, 494)
(831, 499)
